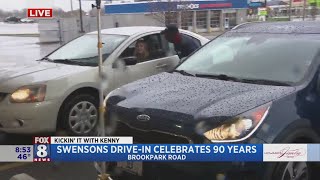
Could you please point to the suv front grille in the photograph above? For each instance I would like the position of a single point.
(2, 96)
(149, 137)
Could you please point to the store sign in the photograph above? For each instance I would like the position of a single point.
(262, 12)
(203, 6)
(152, 6)
(256, 3)
(188, 6)
(315, 2)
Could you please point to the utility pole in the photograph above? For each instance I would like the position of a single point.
(265, 3)
(304, 9)
(81, 22)
(71, 5)
(265, 6)
(290, 9)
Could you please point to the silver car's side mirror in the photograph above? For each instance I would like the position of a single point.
(119, 64)
(130, 61)
(122, 63)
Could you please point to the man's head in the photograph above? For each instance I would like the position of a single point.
(171, 32)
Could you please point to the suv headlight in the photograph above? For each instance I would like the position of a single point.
(29, 94)
(238, 128)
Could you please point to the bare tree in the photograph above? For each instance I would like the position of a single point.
(93, 12)
(167, 12)
(18, 13)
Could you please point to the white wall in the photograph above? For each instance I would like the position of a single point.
(49, 31)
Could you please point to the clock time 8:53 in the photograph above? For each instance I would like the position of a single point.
(23, 149)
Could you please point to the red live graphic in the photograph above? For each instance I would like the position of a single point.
(40, 13)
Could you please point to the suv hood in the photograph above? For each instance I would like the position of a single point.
(194, 97)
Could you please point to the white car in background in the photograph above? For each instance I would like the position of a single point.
(60, 91)
(26, 20)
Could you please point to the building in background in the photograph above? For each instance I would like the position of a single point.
(197, 16)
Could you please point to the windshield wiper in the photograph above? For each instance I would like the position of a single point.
(183, 72)
(266, 82)
(68, 61)
(218, 76)
(45, 59)
(254, 81)
(63, 61)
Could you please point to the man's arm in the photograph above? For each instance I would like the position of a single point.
(192, 46)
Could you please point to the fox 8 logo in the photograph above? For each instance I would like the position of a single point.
(42, 152)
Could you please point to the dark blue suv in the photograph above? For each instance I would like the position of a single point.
(258, 83)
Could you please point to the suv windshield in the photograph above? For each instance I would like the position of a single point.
(262, 57)
(83, 50)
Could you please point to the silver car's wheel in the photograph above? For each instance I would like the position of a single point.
(83, 118)
(295, 171)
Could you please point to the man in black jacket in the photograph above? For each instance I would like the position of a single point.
(183, 44)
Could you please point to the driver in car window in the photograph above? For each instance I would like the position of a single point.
(142, 51)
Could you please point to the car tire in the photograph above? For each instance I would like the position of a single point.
(293, 171)
(80, 115)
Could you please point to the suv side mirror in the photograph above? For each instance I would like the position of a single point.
(129, 61)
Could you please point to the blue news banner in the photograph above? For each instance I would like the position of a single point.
(156, 152)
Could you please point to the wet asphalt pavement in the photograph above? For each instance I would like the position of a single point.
(14, 28)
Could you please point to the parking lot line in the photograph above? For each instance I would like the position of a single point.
(8, 166)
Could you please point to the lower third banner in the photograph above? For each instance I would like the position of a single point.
(157, 152)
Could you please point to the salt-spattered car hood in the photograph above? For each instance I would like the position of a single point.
(177, 94)
(14, 75)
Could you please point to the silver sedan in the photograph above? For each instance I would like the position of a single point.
(60, 91)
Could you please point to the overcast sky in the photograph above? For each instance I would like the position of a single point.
(9, 5)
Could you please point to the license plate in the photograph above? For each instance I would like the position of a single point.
(131, 167)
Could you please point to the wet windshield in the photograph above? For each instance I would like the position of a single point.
(83, 50)
(263, 57)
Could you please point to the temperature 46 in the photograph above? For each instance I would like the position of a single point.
(24, 156)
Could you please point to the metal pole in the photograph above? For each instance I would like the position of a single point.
(71, 5)
(265, 6)
(290, 6)
(304, 9)
(103, 175)
(101, 115)
(265, 3)
(81, 23)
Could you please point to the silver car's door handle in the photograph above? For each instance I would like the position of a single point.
(161, 65)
